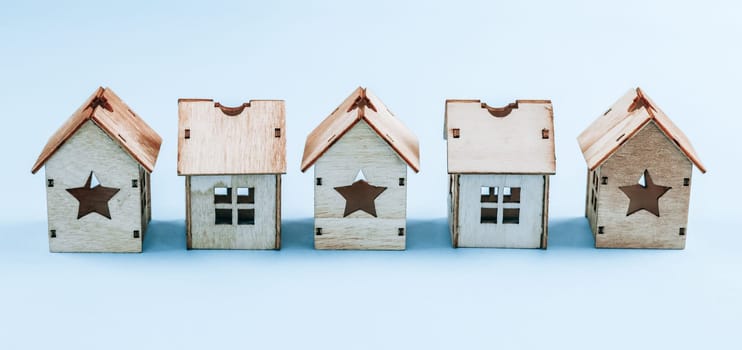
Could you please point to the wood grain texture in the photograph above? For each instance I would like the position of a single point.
(377, 116)
(91, 149)
(453, 208)
(360, 234)
(204, 234)
(527, 234)
(545, 215)
(189, 229)
(622, 121)
(278, 211)
(360, 149)
(245, 143)
(651, 150)
(511, 144)
(593, 189)
(117, 120)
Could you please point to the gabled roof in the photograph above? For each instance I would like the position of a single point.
(362, 105)
(515, 139)
(217, 140)
(117, 120)
(622, 121)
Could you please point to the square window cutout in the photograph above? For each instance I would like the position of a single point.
(246, 195)
(488, 216)
(222, 195)
(222, 216)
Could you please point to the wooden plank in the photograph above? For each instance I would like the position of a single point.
(511, 144)
(205, 234)
(91, 149)
(545, 217)
(278, 211)
(649, 150)
(189, 213)
(360, 234)
(246, 143)
(455, 211)
(526, 234)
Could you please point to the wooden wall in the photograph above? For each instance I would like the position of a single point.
(203, 233)
(90, 149)
(649, 149)
(526, 234)
(360, 149)
(453, 208)
(592, 198)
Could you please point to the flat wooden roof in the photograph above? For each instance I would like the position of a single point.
(514, 139)
(217, 140)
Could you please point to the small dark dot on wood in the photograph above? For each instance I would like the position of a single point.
(401, 181)
(686, 182)
(277, 132)
(400, 232)
(319, 181)
(134, 183)
(187, 134)
(604, 180)
(136, 233)
(681, 231)
(456, 133)
(318, 231)
(544, 134)
(53, 233)
(601, 230)
(50, 182)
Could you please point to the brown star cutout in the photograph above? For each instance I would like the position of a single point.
(644, 197)
(360, 196)
(93, 200)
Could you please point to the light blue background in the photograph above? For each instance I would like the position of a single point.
(582, 55)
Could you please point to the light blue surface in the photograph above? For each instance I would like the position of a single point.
(430, 296)
(582, 55)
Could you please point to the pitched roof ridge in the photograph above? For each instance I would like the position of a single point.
(362, 102)
(106, 99)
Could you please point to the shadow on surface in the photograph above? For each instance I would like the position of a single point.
(570, 233)
(162, 236)
(297, 234)
(433, 234)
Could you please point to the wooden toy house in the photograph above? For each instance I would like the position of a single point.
(97, 169)
(499, 162)
(638, 177)
(232, 159)
(360, 155)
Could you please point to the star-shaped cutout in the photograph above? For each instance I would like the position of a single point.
(644, 196)
(93, 199)
(360, 196)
